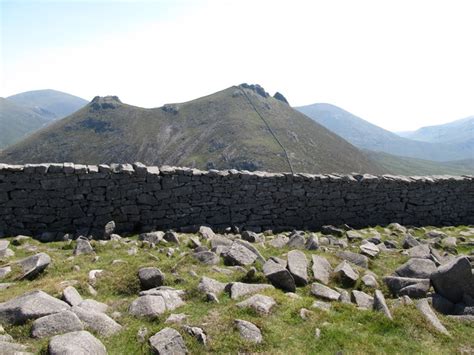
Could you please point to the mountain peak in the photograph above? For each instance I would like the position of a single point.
(105, 102)
(255, 88)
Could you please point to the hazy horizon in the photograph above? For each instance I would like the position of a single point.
(400, 65)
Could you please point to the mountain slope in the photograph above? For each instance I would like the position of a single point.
(17, 122)
(368, 136)
(412, 166)
(457, 131)
(222, 130)
(50, 104)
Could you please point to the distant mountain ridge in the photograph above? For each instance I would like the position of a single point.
(24, 113)
(453, 132)
(365, 135)
(50, 104)
(241, 127)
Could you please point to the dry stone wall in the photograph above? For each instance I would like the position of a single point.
(72, 198)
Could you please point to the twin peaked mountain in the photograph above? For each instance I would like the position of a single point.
(241, 127)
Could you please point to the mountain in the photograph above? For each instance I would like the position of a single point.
(365, 135)
(412, 166)
(17, 122)
(453, 132)
(240, 127)
(50, 104)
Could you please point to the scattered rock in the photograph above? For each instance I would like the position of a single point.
(279, 276)
(380, 304)
(279, 242)
(324, 292)
(152, 237)
(430, 316)
(94, 305)
(171, 237)
(239, 255)
(83, 246)
(150, 277)
(197, 333)
(324, 306)
(357, 259)
(410, 242)
(207, 257)
(404, 286)
(76, 343)
(369, 280)
(71, 296)
(30, 305)
(206, 232)
(251, 237)
(321, 269)
(362, 299)
(416, 268)
(346, 274)
(34, 265)
(239, 289)
(260, 303)
(8, 348)
(312, 243)
(298, 267)
(369, 249)
(97, 321)
(109, 229)
(4, 271)
(176, 318)
(57, 323)
(296, 240)
(168, 342)
(208, 285)
(331, 230)
(454, 279)
(248, 331)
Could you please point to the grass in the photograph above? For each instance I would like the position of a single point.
(343, 329)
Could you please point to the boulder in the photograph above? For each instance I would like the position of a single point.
(331, 230)
(147, 306)
(454, 279)
(312, 243)
(239, 255)
(321, 269)
(416, 268)
(369, 249)
(83, 246)
(94, 305)
(252, 248)
(152, 237)
(324, 292)
(206, 232)
(4, 271)
(9, 348)
(109, 229)
(279, 241)
(251, 237)
(297, 241)
(4, 248)
(259, 303)
(441, 304)
(410, 242)
(405, 286)
(150, 277)
(248, 331)
(57, 323)
(71, 296)
(197, 333)
(207, 257)
(430, 316)
(99, 322)
(34, 265)
(380, 305)
(30, 305)
(353, 236)
(76, 343)
(171, 237)
(168, 342)
(239, 289)
(420, 251)
(346, 274)
(208, 285)
(357, 259)
(362, 299)
(369, 280)
(298, 267)
(279, 276)
(171, 296)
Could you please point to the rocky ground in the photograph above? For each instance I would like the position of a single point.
(376, 290)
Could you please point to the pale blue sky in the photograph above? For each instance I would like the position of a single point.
(400, 64)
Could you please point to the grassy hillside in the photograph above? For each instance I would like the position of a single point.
(222, 130)
(50, 104)
(368, 136)
(16, 122)
(410, 166)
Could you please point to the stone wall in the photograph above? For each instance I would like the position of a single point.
(78, 198)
